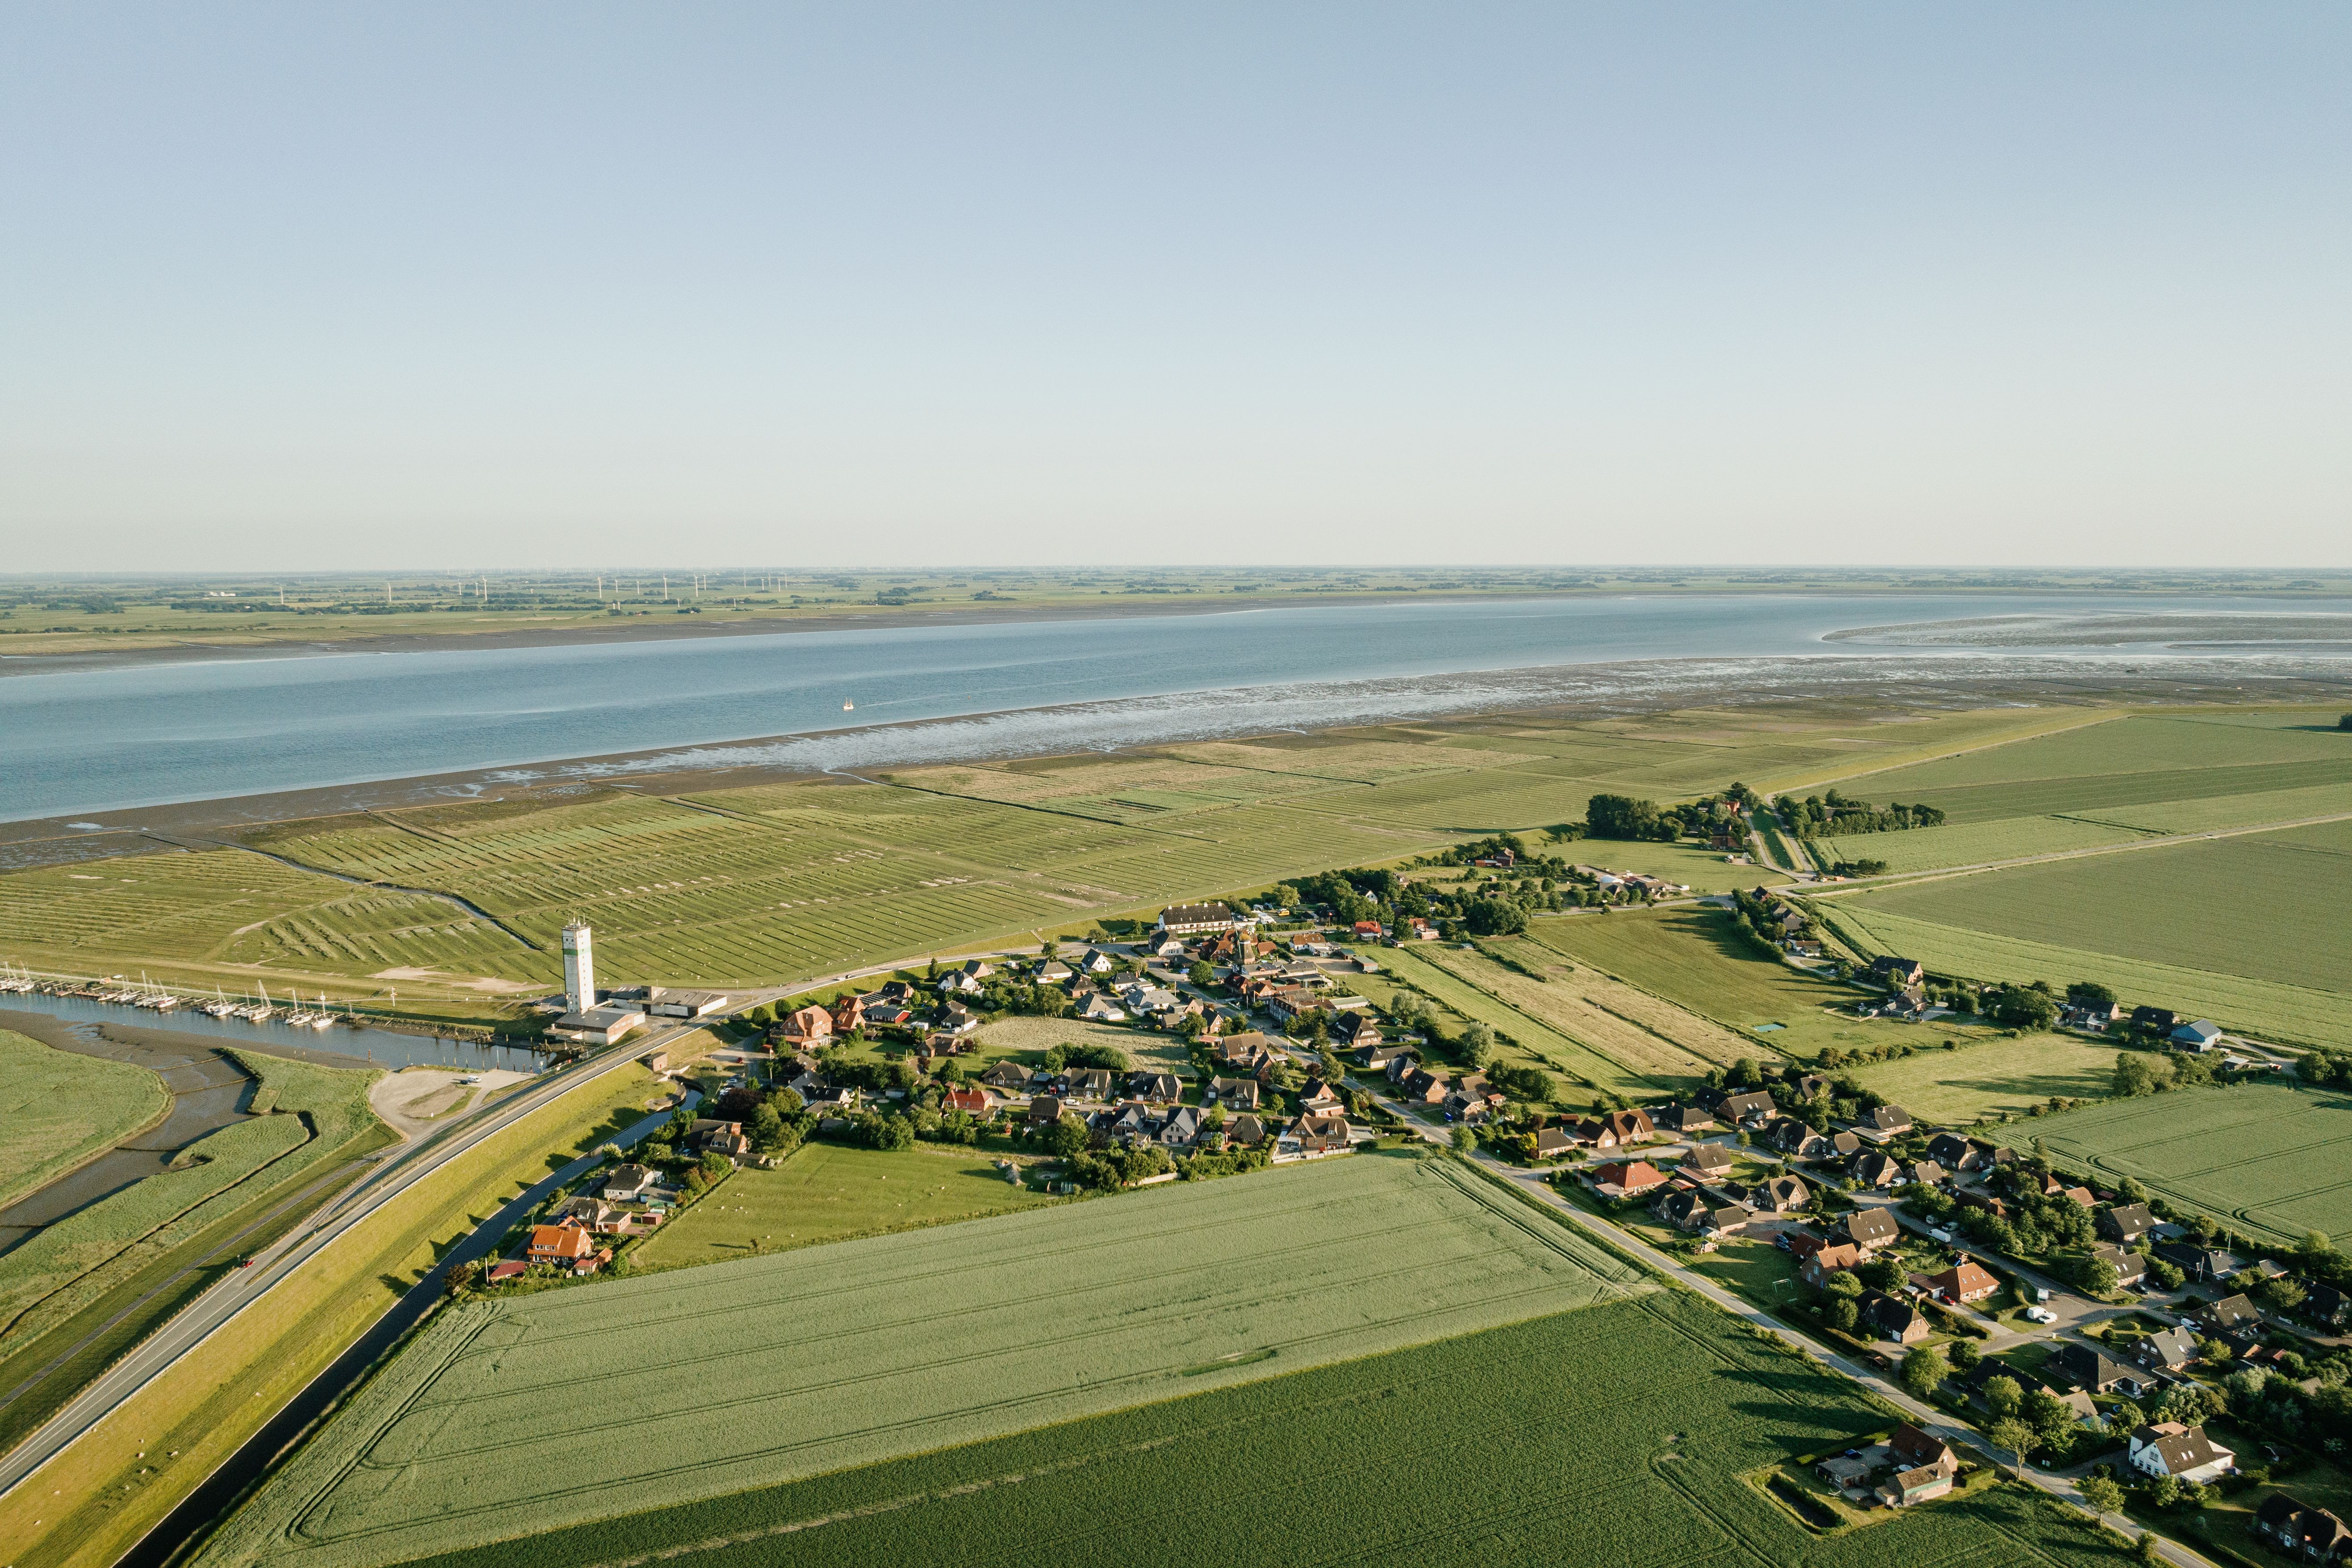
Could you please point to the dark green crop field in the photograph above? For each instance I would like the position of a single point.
(1625, 1434)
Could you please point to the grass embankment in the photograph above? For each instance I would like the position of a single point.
(598, 1399)
(88, 1506)
(60, 1109)
(826, 1193)
(1640, 1431)
(84, 1290)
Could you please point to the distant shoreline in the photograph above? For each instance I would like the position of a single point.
(1872, 681)
(163, 648)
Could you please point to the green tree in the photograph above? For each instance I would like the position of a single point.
(2102, 1495)
(2283, 1294)
(2003, 1398)
(1841, 1313)
(1925, 1368)
(1465, 1139)
(1068, 1137)
(1964, 1354)
(2049, 1416)
(1478, 1045)
(2014, 1436)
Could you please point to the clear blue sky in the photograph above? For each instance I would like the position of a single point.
(321, 286)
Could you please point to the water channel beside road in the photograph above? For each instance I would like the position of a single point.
(208, 1090)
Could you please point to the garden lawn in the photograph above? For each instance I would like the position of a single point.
(2264, 1159)
(1990, 1076)
(1697, 959)
(58, 1109)
(826, 1193)
(1623, 1435)
(565, 1406)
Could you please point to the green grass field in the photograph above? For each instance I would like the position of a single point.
(1624, 1434)
(1697, 959)
(825, 1193)
(1994, 1077)
(2113, 783)
(1536, 1042)
(2266, 906)
(2268, 1160)
(572, 1406)
(59, 1108)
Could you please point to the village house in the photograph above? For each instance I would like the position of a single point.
(1160, 1086)
(1319, 1096)
(2131, 1268)
(1045, 1110)
(2327, 1307)
(1244, 1131)
(1553, 1142)
(2170, 1349)
(2080, 1366)
(1965, 1282)
(1233, 1093)
(1377, 1055)
(1753, 1109)
(1626, 1178)
(956, 982)
(1874, 1171)
(2200, 1264)
(1869, 1229)
(1101, 1009)
(1680, 1121)
(1322, 1134)
(1246, 1052)
(1422, 1087)
(1709, 1161)
(630, 1184)
(1780, 1194)
(1881, 1124)
(807, 1028)
(2230, 1315)
(1891, 1318)
(593, 1214)
(2202, 1036)
(1924, 1467)
(1053, 972)
(1898, 973)
(2293, 1529)
(1009, 1076)
(1927, 1174)
(567, 1245)
(2125, 1223)
(1836, 1257)
(2184, 1453)
(1355, 1031)
(970, 1099)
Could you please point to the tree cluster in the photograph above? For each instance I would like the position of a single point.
(1831, 814)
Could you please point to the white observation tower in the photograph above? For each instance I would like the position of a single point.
(579, 968)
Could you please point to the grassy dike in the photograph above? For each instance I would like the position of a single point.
(95, 1501)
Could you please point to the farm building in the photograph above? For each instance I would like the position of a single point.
(1191, 919)
(665, 1002)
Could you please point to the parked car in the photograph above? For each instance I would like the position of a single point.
(2041, 1315)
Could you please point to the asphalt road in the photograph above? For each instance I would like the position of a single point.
(221, 1490)
(196, 1322)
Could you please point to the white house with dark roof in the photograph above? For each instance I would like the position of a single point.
(2184, 1453)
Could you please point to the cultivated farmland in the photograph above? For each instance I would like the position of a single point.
(2268, 1160)
(826, 1193)
(697, 1382)
(1652, 1038)
(1992, 1078)
(2265, 1009)
(2266, 906)
(1697, 960)
(1623, 1435)
(59, 1108)
(1547, 1045)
